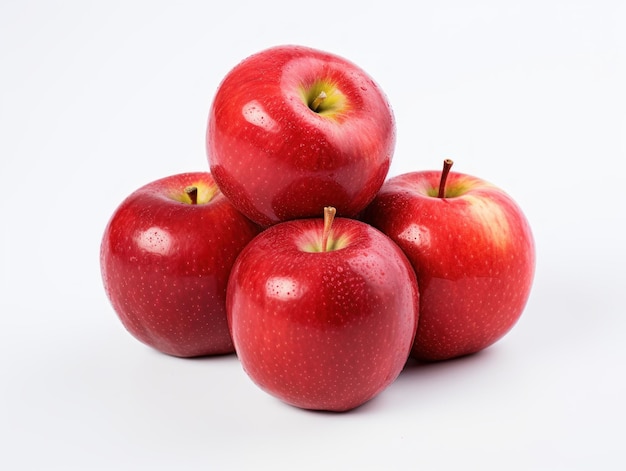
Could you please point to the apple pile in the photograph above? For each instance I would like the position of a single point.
(298, 254)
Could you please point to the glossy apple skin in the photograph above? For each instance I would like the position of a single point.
(276, 159)
(473, 254)
(165, 266)
(323, 330)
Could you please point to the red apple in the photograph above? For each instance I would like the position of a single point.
(166, 255)
(322, 329)
(472, 250)
(293, 129)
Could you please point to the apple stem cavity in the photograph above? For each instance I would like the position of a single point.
(315, 104)
(192, 192)
(329, 217)
(447, 165)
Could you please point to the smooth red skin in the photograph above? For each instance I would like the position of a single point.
(172, 296)
(340, 332)
(303, 161)
(472, 291)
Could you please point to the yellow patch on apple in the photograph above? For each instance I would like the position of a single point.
(491, 217)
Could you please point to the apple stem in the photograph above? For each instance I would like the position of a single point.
(192, 192)
(447, 165)
(329, 217)
(315, 104)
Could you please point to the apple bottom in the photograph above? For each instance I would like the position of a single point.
(330, 369)
(463, 316)
(179, 316)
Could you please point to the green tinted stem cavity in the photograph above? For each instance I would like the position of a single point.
(324, 98)
(447, 165)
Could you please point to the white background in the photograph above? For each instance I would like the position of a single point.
(99, 98)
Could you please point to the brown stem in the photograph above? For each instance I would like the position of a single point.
(329, 217)
(315, 104)
(192, 192)
(447, 165)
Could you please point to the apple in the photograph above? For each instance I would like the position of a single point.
(322, 314)
(292, 129)
(165, 258)
(473, 253)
